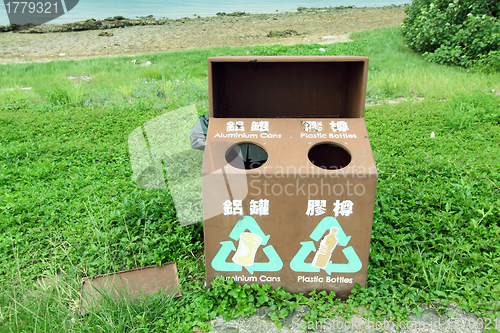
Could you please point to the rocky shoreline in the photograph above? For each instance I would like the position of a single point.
(122, 36)
(123, 22)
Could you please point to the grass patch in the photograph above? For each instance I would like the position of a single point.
(69, 207)
(396, 71)
(460, 117)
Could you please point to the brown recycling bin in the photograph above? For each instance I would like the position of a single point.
(288, 174)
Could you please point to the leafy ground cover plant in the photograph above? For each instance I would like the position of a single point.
(69, 207)
(462, 33)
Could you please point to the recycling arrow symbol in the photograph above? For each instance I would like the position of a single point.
(353, 265)
(219, 262)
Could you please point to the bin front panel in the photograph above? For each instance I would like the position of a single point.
(289, 222)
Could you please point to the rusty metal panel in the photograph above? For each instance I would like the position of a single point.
(131, 284)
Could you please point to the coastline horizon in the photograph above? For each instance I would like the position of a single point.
(83, 14)
(320, 26)
(119, 21)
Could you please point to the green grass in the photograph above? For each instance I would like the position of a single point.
(69, 206)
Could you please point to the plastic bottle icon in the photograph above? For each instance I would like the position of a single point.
(247, 248)
(326, 247)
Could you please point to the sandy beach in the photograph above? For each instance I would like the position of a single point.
(320, 26)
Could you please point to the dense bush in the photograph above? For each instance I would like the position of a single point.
(463, 33)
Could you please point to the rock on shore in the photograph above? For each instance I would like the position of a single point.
(90, 24)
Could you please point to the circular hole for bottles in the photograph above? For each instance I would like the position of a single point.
(329, 156)
(246, 156)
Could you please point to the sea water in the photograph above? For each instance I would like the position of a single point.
(100, 9)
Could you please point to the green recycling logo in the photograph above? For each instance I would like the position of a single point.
(248, 244)
(323, 254)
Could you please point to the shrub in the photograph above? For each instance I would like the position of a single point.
(463, 33)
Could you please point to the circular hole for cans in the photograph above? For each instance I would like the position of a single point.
(246, 155)
(329, 156)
